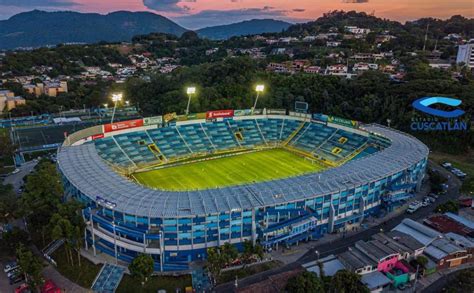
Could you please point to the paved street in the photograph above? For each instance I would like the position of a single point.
(17, 179)
(337, 246)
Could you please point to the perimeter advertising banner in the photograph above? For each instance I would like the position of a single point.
(244, 112)
(343, 122)
(97, 136)
(170, 116)
(219, 114)
(156, 120)
(123, 125)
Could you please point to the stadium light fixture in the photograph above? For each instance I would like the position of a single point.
(259, 89)
(115, 98)
(190, 91)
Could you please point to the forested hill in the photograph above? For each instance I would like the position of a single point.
(40, 28)
(338, 19)
(250, 27)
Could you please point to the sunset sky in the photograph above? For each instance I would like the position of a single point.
(198, 13)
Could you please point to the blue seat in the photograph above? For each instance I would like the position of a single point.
(169, 141)
(111, 152)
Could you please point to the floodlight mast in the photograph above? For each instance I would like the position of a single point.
(115, 98)
(259, 89)
(190, 91)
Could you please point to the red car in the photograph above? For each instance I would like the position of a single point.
(50, 287)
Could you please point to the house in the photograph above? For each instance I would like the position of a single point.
(312, 69)
(447, 254)
(356, 30)
(376, 282)
(407, 246)
(445, 224)
(309, 38)
(330, 264)
(419, 232)
(356, 261)
(338, 69)
(9, 101)
(333, 44)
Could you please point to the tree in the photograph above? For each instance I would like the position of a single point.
(142, 267)
(346, 282)
(422, 260)
(228, 252)
(14, 237)
(8, 203)
(61, 228)
(304, 282)
(215, 262)
(30, 265)
(449, 206)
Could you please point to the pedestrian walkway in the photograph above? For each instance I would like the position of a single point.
(108, 279)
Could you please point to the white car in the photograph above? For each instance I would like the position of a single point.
(16, 171)
(10, 266)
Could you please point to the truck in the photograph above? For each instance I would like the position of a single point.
(414, 206)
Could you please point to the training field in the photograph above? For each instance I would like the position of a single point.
(234, 170)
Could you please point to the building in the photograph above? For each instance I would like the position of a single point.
(447, 254)
(175, 228)
(49, 88)
(445, 224)
(466, 54)
(8, 100)
(356, 30)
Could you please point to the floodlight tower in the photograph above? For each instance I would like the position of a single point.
(190, 91)
(115, 98)
(259, 89)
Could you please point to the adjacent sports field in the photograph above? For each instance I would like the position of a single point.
(235, 170)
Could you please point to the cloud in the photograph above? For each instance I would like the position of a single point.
(168, 5)
(299, 10)
(207, 18)
(355, 1)
(38, 3)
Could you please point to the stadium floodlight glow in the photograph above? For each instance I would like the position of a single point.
(115, 98)
(190, 91)
(259, 89)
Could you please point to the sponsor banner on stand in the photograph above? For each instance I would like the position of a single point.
(244, 112)
(156, 120)
(276, 111)
(97, 136)
(219, 114)
(343, 122)
(170, 116)
(123, 125)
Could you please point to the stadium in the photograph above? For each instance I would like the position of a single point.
(173, 186)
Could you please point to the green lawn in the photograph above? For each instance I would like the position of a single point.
(168, 283)
(234, 170)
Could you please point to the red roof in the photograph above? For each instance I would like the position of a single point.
(445, 224)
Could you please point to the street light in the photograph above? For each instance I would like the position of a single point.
(190, 91)
(115, 98)
(259, 89)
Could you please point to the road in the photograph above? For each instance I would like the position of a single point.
(339, 246)
(17, 179)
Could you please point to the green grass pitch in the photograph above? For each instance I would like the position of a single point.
(235, 170)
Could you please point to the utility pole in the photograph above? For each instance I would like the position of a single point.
(426, 36)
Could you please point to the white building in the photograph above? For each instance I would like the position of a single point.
(466, 54)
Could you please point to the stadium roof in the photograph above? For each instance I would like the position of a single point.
(85, 169)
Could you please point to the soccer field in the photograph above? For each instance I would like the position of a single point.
(235, 170)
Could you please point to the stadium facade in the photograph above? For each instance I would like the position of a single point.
(370, 167)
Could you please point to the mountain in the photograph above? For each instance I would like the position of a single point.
(249, 27)
(40, 28)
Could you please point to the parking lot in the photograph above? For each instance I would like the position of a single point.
(4, 283)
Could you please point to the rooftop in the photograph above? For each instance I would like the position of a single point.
(446, 224)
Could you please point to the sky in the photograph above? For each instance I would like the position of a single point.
(194, 14)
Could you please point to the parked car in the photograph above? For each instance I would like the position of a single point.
(17, 279)
(16, 171)
(13, 273)
(10, 266)
(413, 207)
